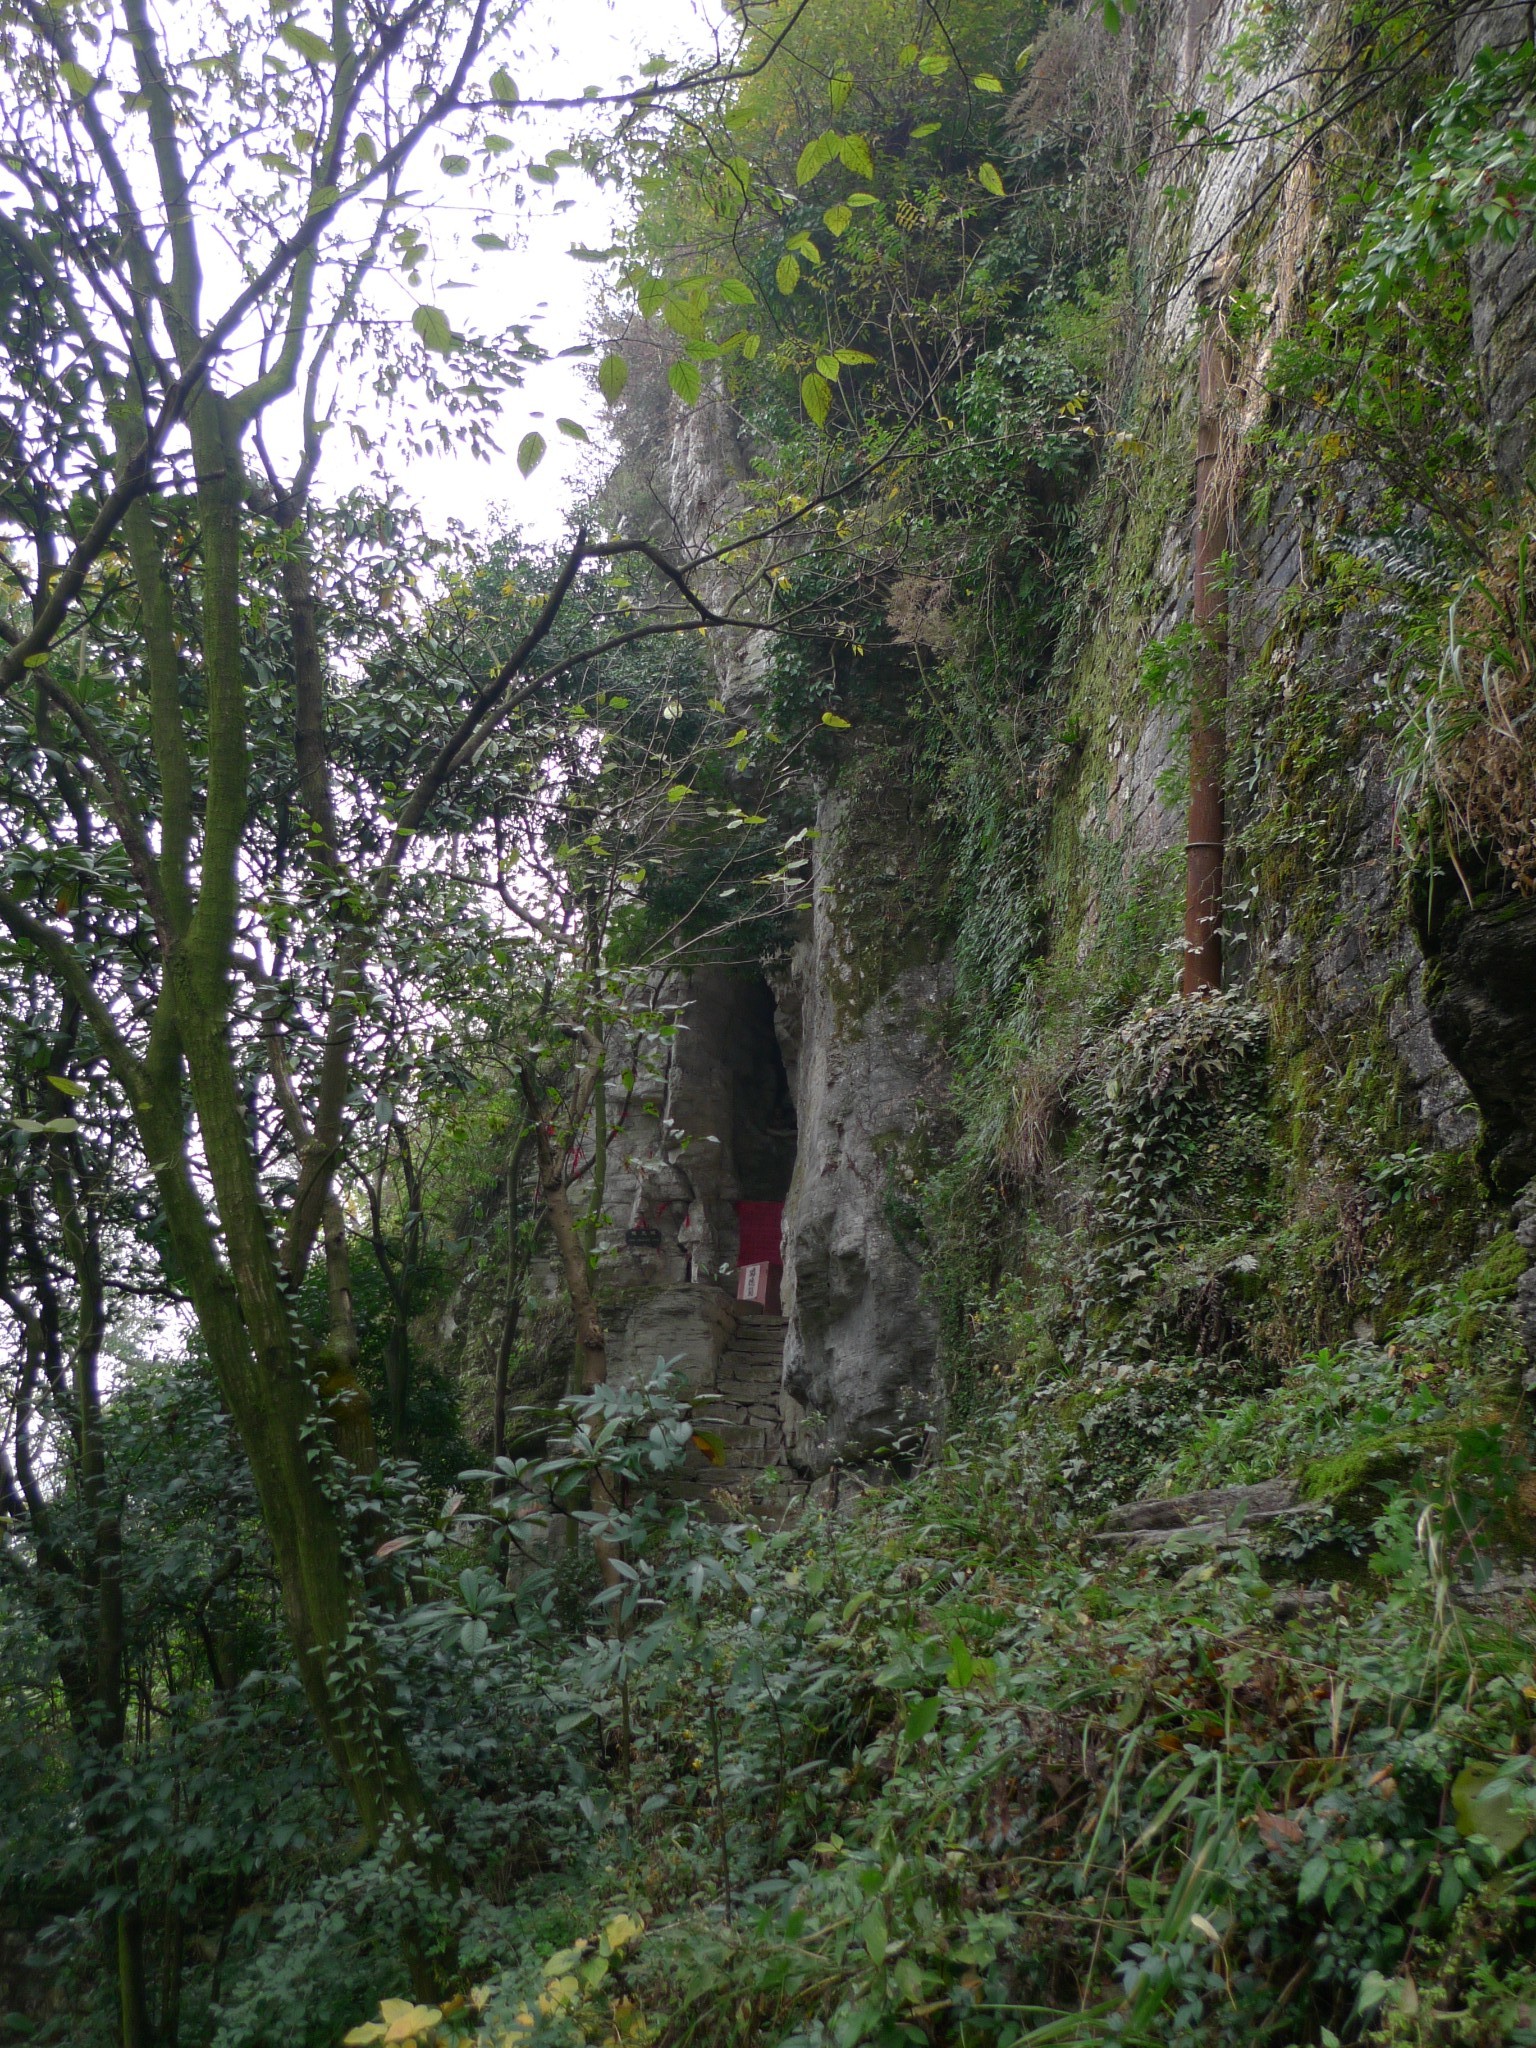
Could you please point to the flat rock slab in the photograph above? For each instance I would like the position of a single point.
(1209, 1516)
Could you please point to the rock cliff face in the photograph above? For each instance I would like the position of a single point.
(869, 1077)
(1437, 1008)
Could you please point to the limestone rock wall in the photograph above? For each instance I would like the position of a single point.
(870, 1079)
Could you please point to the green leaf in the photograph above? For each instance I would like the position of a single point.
(489, 241)
(935, 64)
(816, 396)
(805, 247)
(322, 197)
(962, 1666)
(74, 1089)
(840, 90)
(737, 737)
(924, 1717)
(926, 128)
(1484, 1803)
(504, 88)
(574, 429)
(849, 357)
(307, 43)
(80, 81)
(677, 792)
(828, 367)
(875, 1934)
(862, 199)
(454, 166)
(837, 218)
(750, 347)
(854, 151)
(541, 174)
(530, 452)
(816, 155)
(497, 145)
(838, 725)
(734, 292)
(787, 275)
(907, 55)
(984, 81)
(989, 178)
(431, 323)
(686, 381)
(366, 150)
(612, 376)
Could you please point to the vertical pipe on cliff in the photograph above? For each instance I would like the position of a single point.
(1205, 844)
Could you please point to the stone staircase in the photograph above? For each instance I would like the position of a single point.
(744, 1408)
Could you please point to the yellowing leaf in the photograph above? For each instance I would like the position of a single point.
(854, 151)
(837, 218)
(926, 128)
(612, 376)
(66, 1087)
(621, 1930)
(840, 91)
(934, 65)
(361, 2037)
(828, 367)
(907, 55)
(984, 81)
(530, 453)
(989, 178)
(412, 2023)
(787, 275)
(677, 792)
(837, 724)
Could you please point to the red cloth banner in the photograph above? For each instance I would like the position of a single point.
(762, 1230)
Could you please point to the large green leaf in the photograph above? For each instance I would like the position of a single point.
(686, 381)
(1484, 1801)
(307, 43)
(431, 323)
(530, 452)
(612, 376)
(816, 396)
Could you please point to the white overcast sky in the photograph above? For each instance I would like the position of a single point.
(562, 47)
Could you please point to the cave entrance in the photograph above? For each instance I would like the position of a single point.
(763, 1140)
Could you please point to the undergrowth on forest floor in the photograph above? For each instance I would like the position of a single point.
(944, 1768)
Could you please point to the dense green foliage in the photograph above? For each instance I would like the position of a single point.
(939, 1760)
